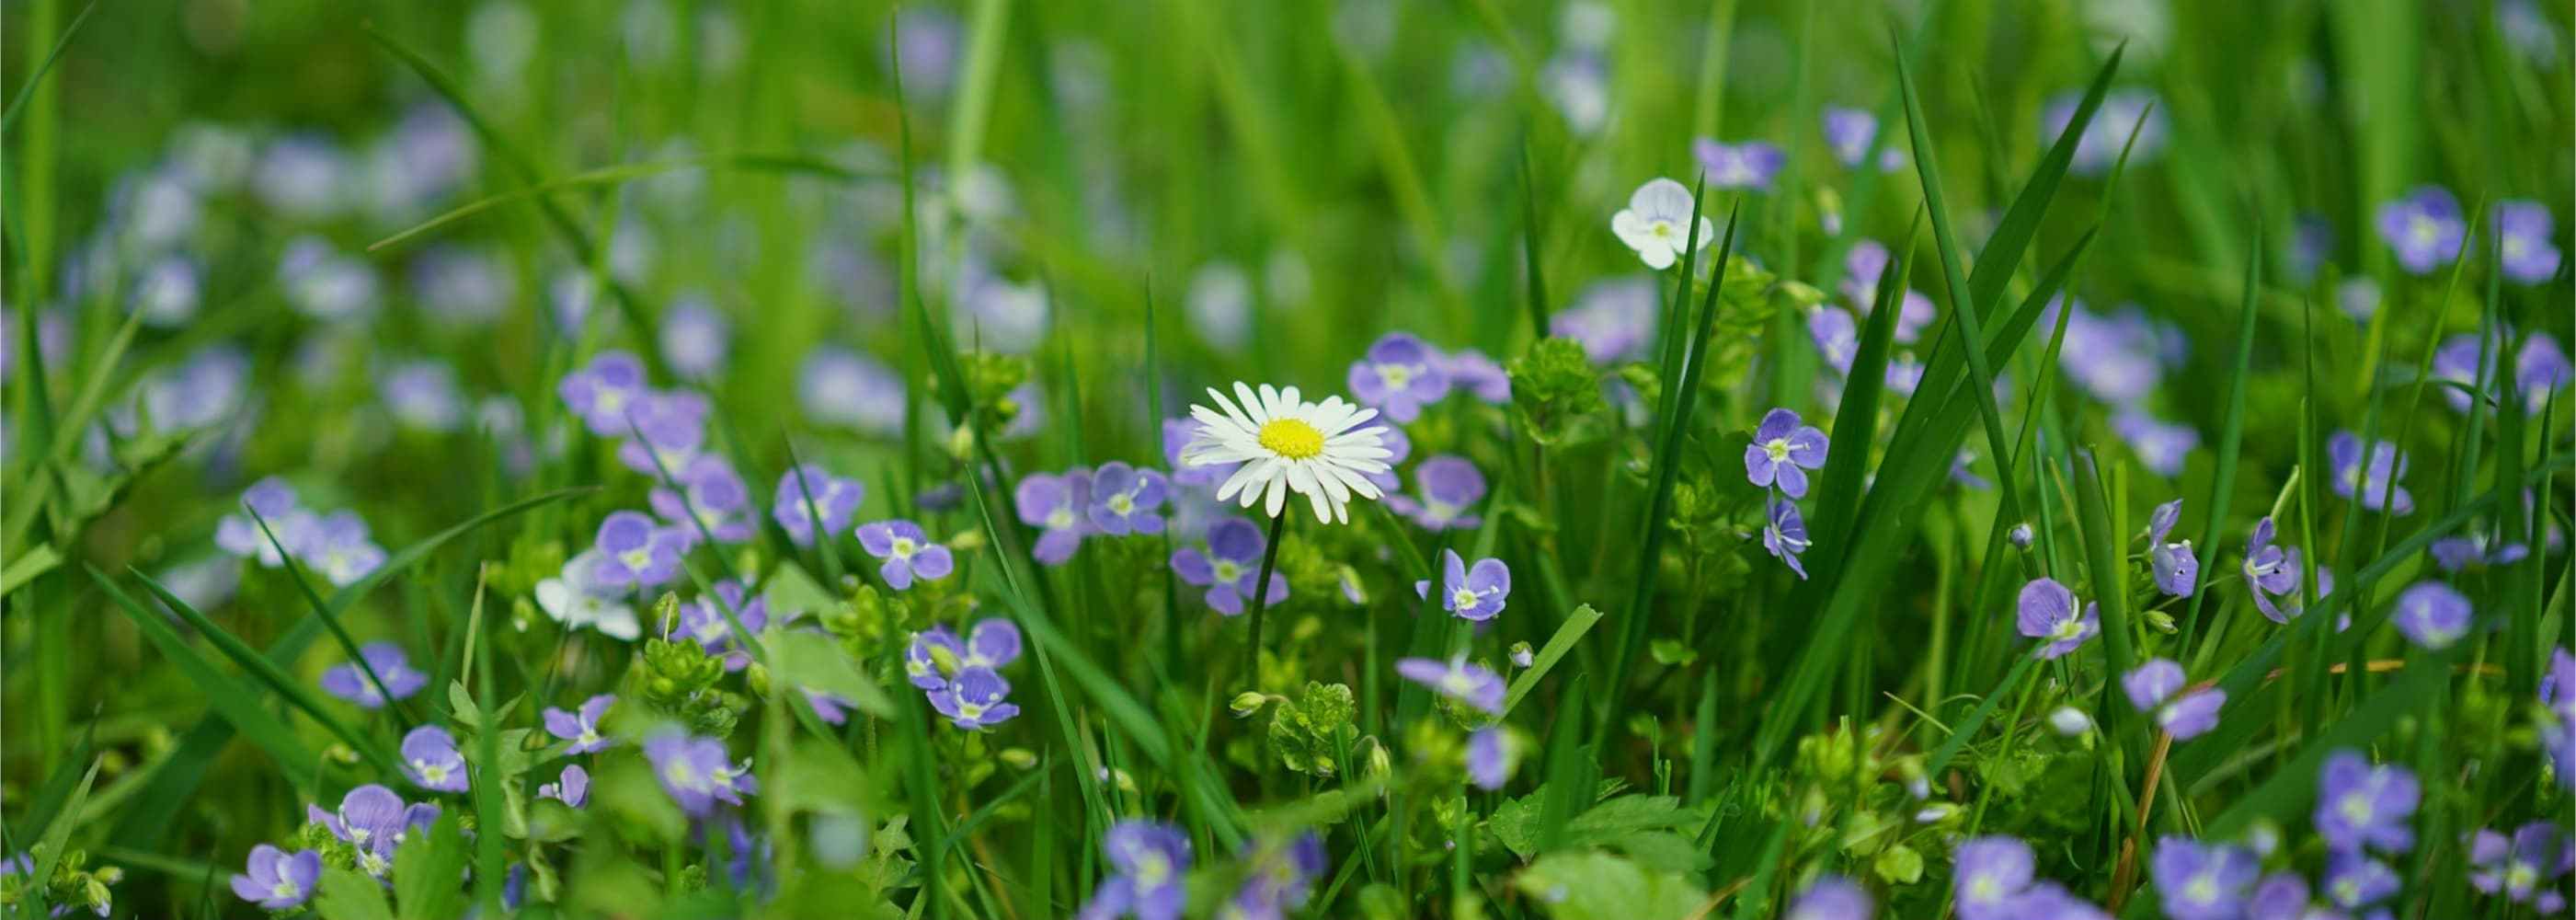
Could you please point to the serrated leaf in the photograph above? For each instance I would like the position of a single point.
(429, 872)
(347, 894)
(1600, 886)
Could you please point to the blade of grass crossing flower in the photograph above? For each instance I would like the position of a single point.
(1856, 416)
(270, 673)
(331, 621)
(1571, 632)
(57, 790)
(2106, 559)
(229, 699)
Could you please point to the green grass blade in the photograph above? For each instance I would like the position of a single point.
(1558, 646)
(27, 90)
(2231, 440)
(230, 700)
(270, 673)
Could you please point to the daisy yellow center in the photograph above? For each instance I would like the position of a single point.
(1292, 438)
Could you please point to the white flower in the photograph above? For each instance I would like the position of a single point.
(2070, 721)
(576, 601)
(1318, 450)
(1657, 223)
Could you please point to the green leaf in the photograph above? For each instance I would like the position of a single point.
(1558, 646)
(347, 894)
(269, 673)
(27, 566)
(429, 872)
(230, 700)
(1600, 886)
(1898, 865)
(821, 666)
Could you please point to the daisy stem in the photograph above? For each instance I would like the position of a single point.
(1261, 598)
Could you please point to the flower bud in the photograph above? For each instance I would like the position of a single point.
(2021, 536)
(1522, 657)
(2070, 721)
(1247, 703)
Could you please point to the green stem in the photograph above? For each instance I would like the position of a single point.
(1261, 597)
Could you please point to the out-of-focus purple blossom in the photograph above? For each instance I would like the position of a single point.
(1227, 563)
(668, 428)
(168, 291)
(1003, 317)
(711, 501)
(1480, 376)
(1458, 679)
(1852, 133)
(2540, 367)
(277, 881)
(324, 284)
(2355, 880)
(2109, 131)
(705, 621)
(572, 788)
(1904, 374)
(2359, 805)
(695, 339)
(349, 681)
(908, 552)
(2047, 612)
(274, 501)
(1282, 879)
(2369, 482)
(810, 493)
(2152, 683)
(581, 726)
(1474, 593)
(2158, 687)
(2521, 867)
(2424, 228)
(2523, 244)
(2176, 570)
(1055, 504)
(1657, 224)
(1399, 376)
(1836, 334)
(2357, 297)
(2272, 571)
(431, 760)
(924, 52)
(1491, 755)
(1219, 305)
(1177, 434)
(2282, 895)
(304, 177)
(1449, 487)
(837, 386)
(1750, 164)
(602, 392)
(1784, 534)
(2162, 447)
(464, 287)
(2311, 243)
(1862, 269)
(635, 552)
(1579, 86)
(2198, 881)
(1148, 861)
(374, 820)
(976, 699)
(2432, 615)
(2558, 687)
(690, 768)
(1831, 897)
(1991, 872)
(1784, 447)
(1614, 319)
(423, 394)
(1127, 500)
(2119, 359)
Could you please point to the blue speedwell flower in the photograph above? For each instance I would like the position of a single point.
(2432, 615)
(602, 392)
(2359, 805)
(1784, 534)
(908, 552)
(711, 501)
(1057, 506)
(1831, 897)
(1126, 500)
(571, 788)
(274, 501)
(2176, 570)
(277, 881)
(1399, 376)
(1748, 165)
(2047, 612)
(2158, 687)
(936, 655)
(1491, 755)
(2369, 481)
(2272, 571)
(349, 681)
(1458, 679)
(667, 431)
(1473, 593)
(1227, 563)
(2200, 881)
(2520, 867)
(2424, 228)
(810, 493)
(1480, 376)
(1851, 133)
(2523, 245)
(1449, 487)
(975, 699)
(1784, 448)
(581, 726)
(1149, 860)
(635, 552)
(375, 821)
(432, 761)
(1283, 876)
(693, 770)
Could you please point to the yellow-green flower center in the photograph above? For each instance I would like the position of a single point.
(1777, 448)
(1292, 438)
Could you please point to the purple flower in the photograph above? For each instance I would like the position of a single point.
(1399, 376)
(837, 386)
(2118, 359)
(2432, 615)
(1480, 376)
(695, 338)
(2361, 805)
(2457, 361)
(1473, 593)
(671, 429)
(934, 654)
(375, 821)
(2161, 446)
(1450, 487)
(2355, 880)
(689, 768)
(349, 681)
(581, 726)
(713, 501)
(1862, 269)
(1783, 449)
(1991, 873)
(2272, 571)
(832, 708)
(1490, 757)
(338, 546)
(1459, 679)
(274, 501)
(423, 394)
(1831, 897)
(2200, 881)
(2157, 686)
(572, 789)
(2281, 896)
(2522, 241)
(1148, 860)
(2558, 687)
(1127, 500)
(809, 493)
(1614, 319)
(277, 881)
(2424, 228)
(632, 551)
(2150, 684)
(1055, 504)
(1836, 334)
(2176, 569)
(975, 699)
(1785, 535)
(602, 392)
(1282, 878)
(704, 620)
(2109, 132)
(431, 760)
(2542, 366)
(2047, 612)
(1747, 165)
(907, 552)
(1227, 563)
(1851, 133)
(2518, 867)
(2385, 465)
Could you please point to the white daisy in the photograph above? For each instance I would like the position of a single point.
(1318, 450)
(1657, 223)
